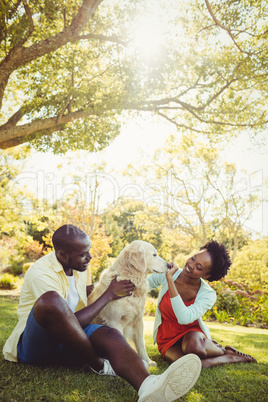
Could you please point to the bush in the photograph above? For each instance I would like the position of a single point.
(33, 250)
(7, 250)
(16, 268)
(8, 281)
(239, 304)
(25, 267)
(251, 264)
(150, 306)
(154, 293)
(227, 302)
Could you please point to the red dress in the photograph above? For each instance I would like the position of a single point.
(170, 331)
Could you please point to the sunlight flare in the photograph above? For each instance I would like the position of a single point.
(149, 36)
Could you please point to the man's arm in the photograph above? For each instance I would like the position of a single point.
(116, 290)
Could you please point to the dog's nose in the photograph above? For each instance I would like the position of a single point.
(168, 265)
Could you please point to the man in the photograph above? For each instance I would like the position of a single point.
(54, 324)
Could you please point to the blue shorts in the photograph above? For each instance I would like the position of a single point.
(37, 346)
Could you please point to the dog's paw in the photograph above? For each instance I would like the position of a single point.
(152, 363)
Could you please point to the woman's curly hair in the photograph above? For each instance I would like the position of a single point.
(221, 261)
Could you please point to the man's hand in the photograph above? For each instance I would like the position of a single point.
(116, 290)
(120, 289)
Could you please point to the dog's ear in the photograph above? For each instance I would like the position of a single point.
(136, 258)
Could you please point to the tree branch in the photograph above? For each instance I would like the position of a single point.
(19, 55)
(180, 125)
(15, 135)
(219, 24)
(31, 25)
(100, 37)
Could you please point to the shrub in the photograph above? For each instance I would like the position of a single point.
(25, 267)
(97, 265)
(8, 281)
(15, 267)
(251, 263)
(33, 250)
(243, 305)
(7, 250)
(150, 306)
(227, 302)
(154, 293)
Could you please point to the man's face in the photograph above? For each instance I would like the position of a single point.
(79, 255)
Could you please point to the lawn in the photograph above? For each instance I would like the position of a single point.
(236, 382)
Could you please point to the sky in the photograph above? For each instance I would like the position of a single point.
(142, 137)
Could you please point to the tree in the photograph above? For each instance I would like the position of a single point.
(195, 190)
(232, 208)
(101, 250)
(13, 198)
(78, 205)
(128, 219)
(14, 208)
(69, 69)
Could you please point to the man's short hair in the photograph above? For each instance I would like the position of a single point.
(65, 235)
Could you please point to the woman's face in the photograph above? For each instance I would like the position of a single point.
(199, 265)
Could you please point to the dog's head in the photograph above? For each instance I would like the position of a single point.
(142, 256)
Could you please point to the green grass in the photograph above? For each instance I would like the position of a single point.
(234, 382)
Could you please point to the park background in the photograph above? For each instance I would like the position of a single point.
(138, 120)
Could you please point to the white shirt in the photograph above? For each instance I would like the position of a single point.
(72, 297)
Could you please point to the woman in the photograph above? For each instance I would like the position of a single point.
(183, 300)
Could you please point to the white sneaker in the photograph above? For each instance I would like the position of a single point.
(107, 369)
(175, 382)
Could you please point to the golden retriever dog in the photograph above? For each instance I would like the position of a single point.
(135, 262)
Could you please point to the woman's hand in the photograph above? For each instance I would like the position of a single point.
(120, 289)
(171, 271)
(169, 277)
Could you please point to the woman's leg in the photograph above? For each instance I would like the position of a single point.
(197, 343)
(174, 353)
(210, 353)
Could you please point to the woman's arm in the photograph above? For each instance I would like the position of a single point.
(186, 315)
(170, 281)
(155, 280)
(116, 290)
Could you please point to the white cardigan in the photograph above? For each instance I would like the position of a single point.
(205, 299)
